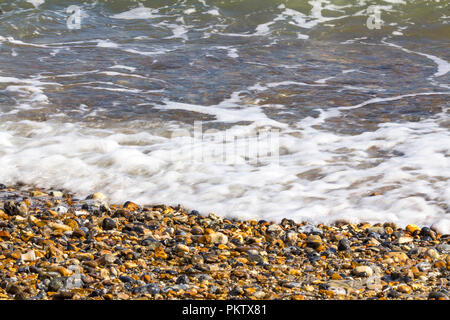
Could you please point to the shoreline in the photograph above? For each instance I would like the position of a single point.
(54, 246)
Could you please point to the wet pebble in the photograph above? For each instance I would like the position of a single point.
(108, 224)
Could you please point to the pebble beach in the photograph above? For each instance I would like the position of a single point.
(54, 246)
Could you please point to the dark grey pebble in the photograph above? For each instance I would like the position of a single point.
(151, 288)
(108, 224)
(56, 284)
(344, 245)
(393, 294)
(183, 279)
(427, 232)
(236, 291)
(126, 279)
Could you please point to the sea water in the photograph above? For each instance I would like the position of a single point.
(316, 111)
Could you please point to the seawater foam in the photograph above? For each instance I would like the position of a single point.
(140, 12)
(31, 92)
(227, 111)
(317, 176)
(36, 3)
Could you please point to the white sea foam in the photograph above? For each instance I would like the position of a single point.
(12, 40)
(137, 13)
(260, 87)
(179, 31)
(227, 111)
(313, 179)
(214, 12)
(36, 3)
(190, 11)
(395, 1)
(375, 100)
(30, 90)
(107, 44)
(232, 52)
(119, 66)
(147, 53)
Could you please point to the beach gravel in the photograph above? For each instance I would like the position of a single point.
(56, 246)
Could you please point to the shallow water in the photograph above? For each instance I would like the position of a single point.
(351, 107)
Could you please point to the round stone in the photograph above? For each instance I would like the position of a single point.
(56, 284)
(344, 245)
(108, 224)
(363, 271)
